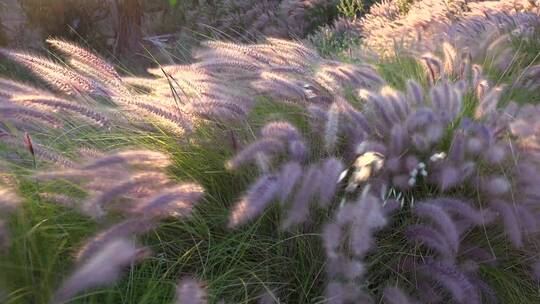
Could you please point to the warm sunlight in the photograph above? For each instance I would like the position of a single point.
(269, 151)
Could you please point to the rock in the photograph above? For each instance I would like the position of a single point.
(15, 27)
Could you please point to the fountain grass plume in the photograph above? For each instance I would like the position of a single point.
(84, 57)
(101, 269)
(190, 291)
(57, 76)
(135, 177)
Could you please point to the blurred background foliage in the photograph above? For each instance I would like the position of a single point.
(129, 27)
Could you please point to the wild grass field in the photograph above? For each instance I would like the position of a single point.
(390, 154)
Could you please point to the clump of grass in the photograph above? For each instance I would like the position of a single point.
(395, 181)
